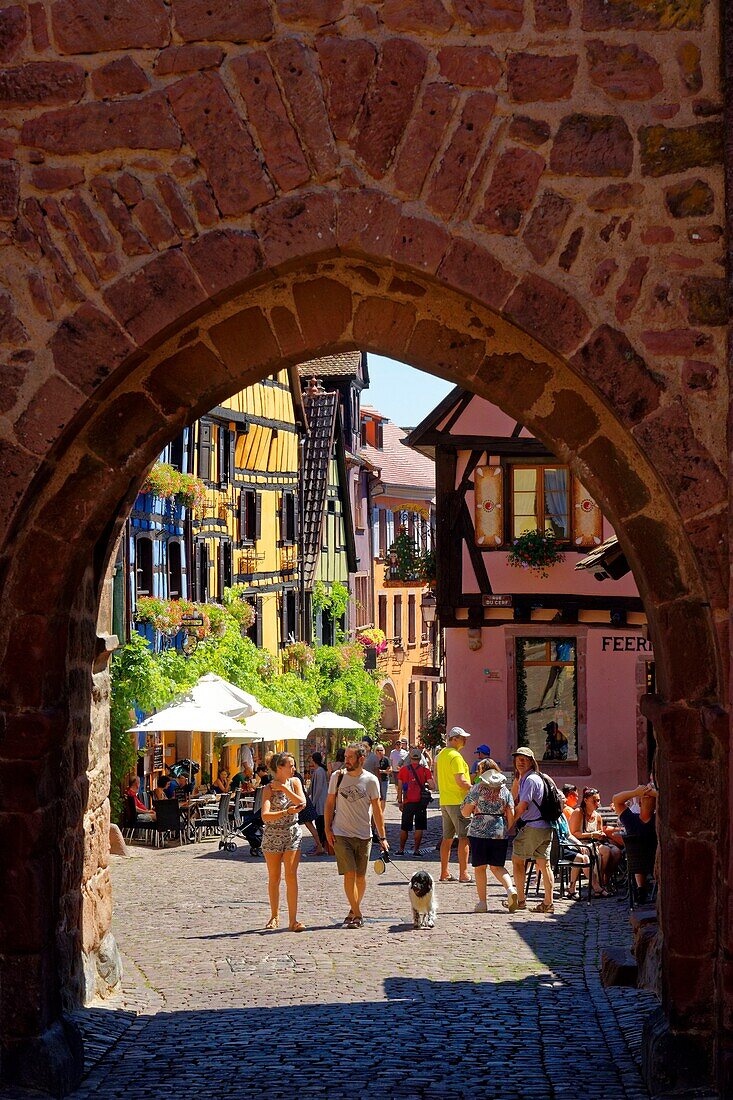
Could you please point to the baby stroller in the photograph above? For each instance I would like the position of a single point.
(248, 823)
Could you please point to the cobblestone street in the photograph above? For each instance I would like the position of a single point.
(481, 1005)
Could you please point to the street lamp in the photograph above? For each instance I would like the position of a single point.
(428, 605)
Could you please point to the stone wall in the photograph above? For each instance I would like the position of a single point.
(524, 196)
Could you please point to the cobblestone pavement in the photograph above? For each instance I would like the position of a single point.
(483, 1005)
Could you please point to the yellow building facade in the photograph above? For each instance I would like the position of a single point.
(246, 452)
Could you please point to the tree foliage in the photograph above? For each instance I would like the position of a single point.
(336, 681)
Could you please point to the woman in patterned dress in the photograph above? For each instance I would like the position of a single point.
(282, 801)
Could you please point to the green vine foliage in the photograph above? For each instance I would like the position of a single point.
(432, 734)
(334, 599)
(335, 681)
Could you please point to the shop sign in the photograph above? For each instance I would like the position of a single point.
(631, 644)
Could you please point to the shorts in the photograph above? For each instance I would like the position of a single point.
(532, 843)
(413, 814)
(281, 839)
(488, 851)
(454, 823)
(352, 854)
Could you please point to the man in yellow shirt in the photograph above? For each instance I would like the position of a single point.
(454, 783)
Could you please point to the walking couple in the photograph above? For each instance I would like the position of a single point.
(353, 797)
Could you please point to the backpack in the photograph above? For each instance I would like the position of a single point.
(550, 805)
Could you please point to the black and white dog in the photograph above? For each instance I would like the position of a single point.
(423, 900)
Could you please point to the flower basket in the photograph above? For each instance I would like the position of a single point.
(537, 551)
(297, 657)
(164, 481)
(372, 638)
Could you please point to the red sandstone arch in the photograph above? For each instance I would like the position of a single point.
(208, 190)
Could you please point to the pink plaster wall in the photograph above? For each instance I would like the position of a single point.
(485, 707)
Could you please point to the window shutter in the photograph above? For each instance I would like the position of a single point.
(204, 455)
(284, 628)
(232, 436)
(242, 516)
(283, 517)
(258, 516)
(196, 578)
(258, 611)
(220, 571)
(488, 490)
(296, 517)
(587, 518)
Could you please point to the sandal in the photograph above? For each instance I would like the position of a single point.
(448, 878)
(543, 907)
(572, 895)
(296, 926)
(602, 893)
(273, 922)
(347, 919)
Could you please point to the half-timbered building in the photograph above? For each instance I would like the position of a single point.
(556, 661)
(402, 494)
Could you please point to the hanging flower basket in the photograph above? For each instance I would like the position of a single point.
(166, 482)
(297, 657)
(536, 551)
(372, 638)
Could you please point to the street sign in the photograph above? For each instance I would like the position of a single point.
(497, 601)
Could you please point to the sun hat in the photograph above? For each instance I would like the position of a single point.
(482, 750)
(458, 731)
(492, 778)
(523, 750)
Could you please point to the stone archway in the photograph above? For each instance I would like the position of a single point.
(444, 185)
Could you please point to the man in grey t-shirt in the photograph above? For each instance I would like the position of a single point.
(353, 797)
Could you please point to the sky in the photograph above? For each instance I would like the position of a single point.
(402, 393)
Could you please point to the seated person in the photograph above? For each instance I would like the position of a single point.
(243, 779)
(587, 824)
(161, 788)
(571, 849)
(262, 776)
(221, 783)
(571, 796)
(143, 815)
(181, 790)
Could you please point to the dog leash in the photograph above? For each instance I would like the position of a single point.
(380, 865)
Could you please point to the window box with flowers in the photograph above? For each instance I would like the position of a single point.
(537, 551)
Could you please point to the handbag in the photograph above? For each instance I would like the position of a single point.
(426, 795)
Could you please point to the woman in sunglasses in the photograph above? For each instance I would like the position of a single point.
(586, 825)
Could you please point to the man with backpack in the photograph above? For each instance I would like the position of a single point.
(536, 806)
(414, 781)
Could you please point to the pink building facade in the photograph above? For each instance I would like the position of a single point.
(557, 662)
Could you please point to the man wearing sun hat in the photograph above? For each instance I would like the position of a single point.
(534, 839)
(454, 783)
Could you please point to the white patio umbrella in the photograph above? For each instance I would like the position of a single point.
(327, 720)
(213, 691)
(270, 725)
(187, 717)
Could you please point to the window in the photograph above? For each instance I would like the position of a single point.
(144, 567)
(288, 518)
(547, 697)
(379, 435)
(288, 616)
(397, 619)
(175, 572)
(411, 711)
(362, 601)
(201, 570)
(383, 614)
(250, 516)
(423, 702)
(176, 452)
(411, 619)
(225, 566)
(225, 456)
(541, 500)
